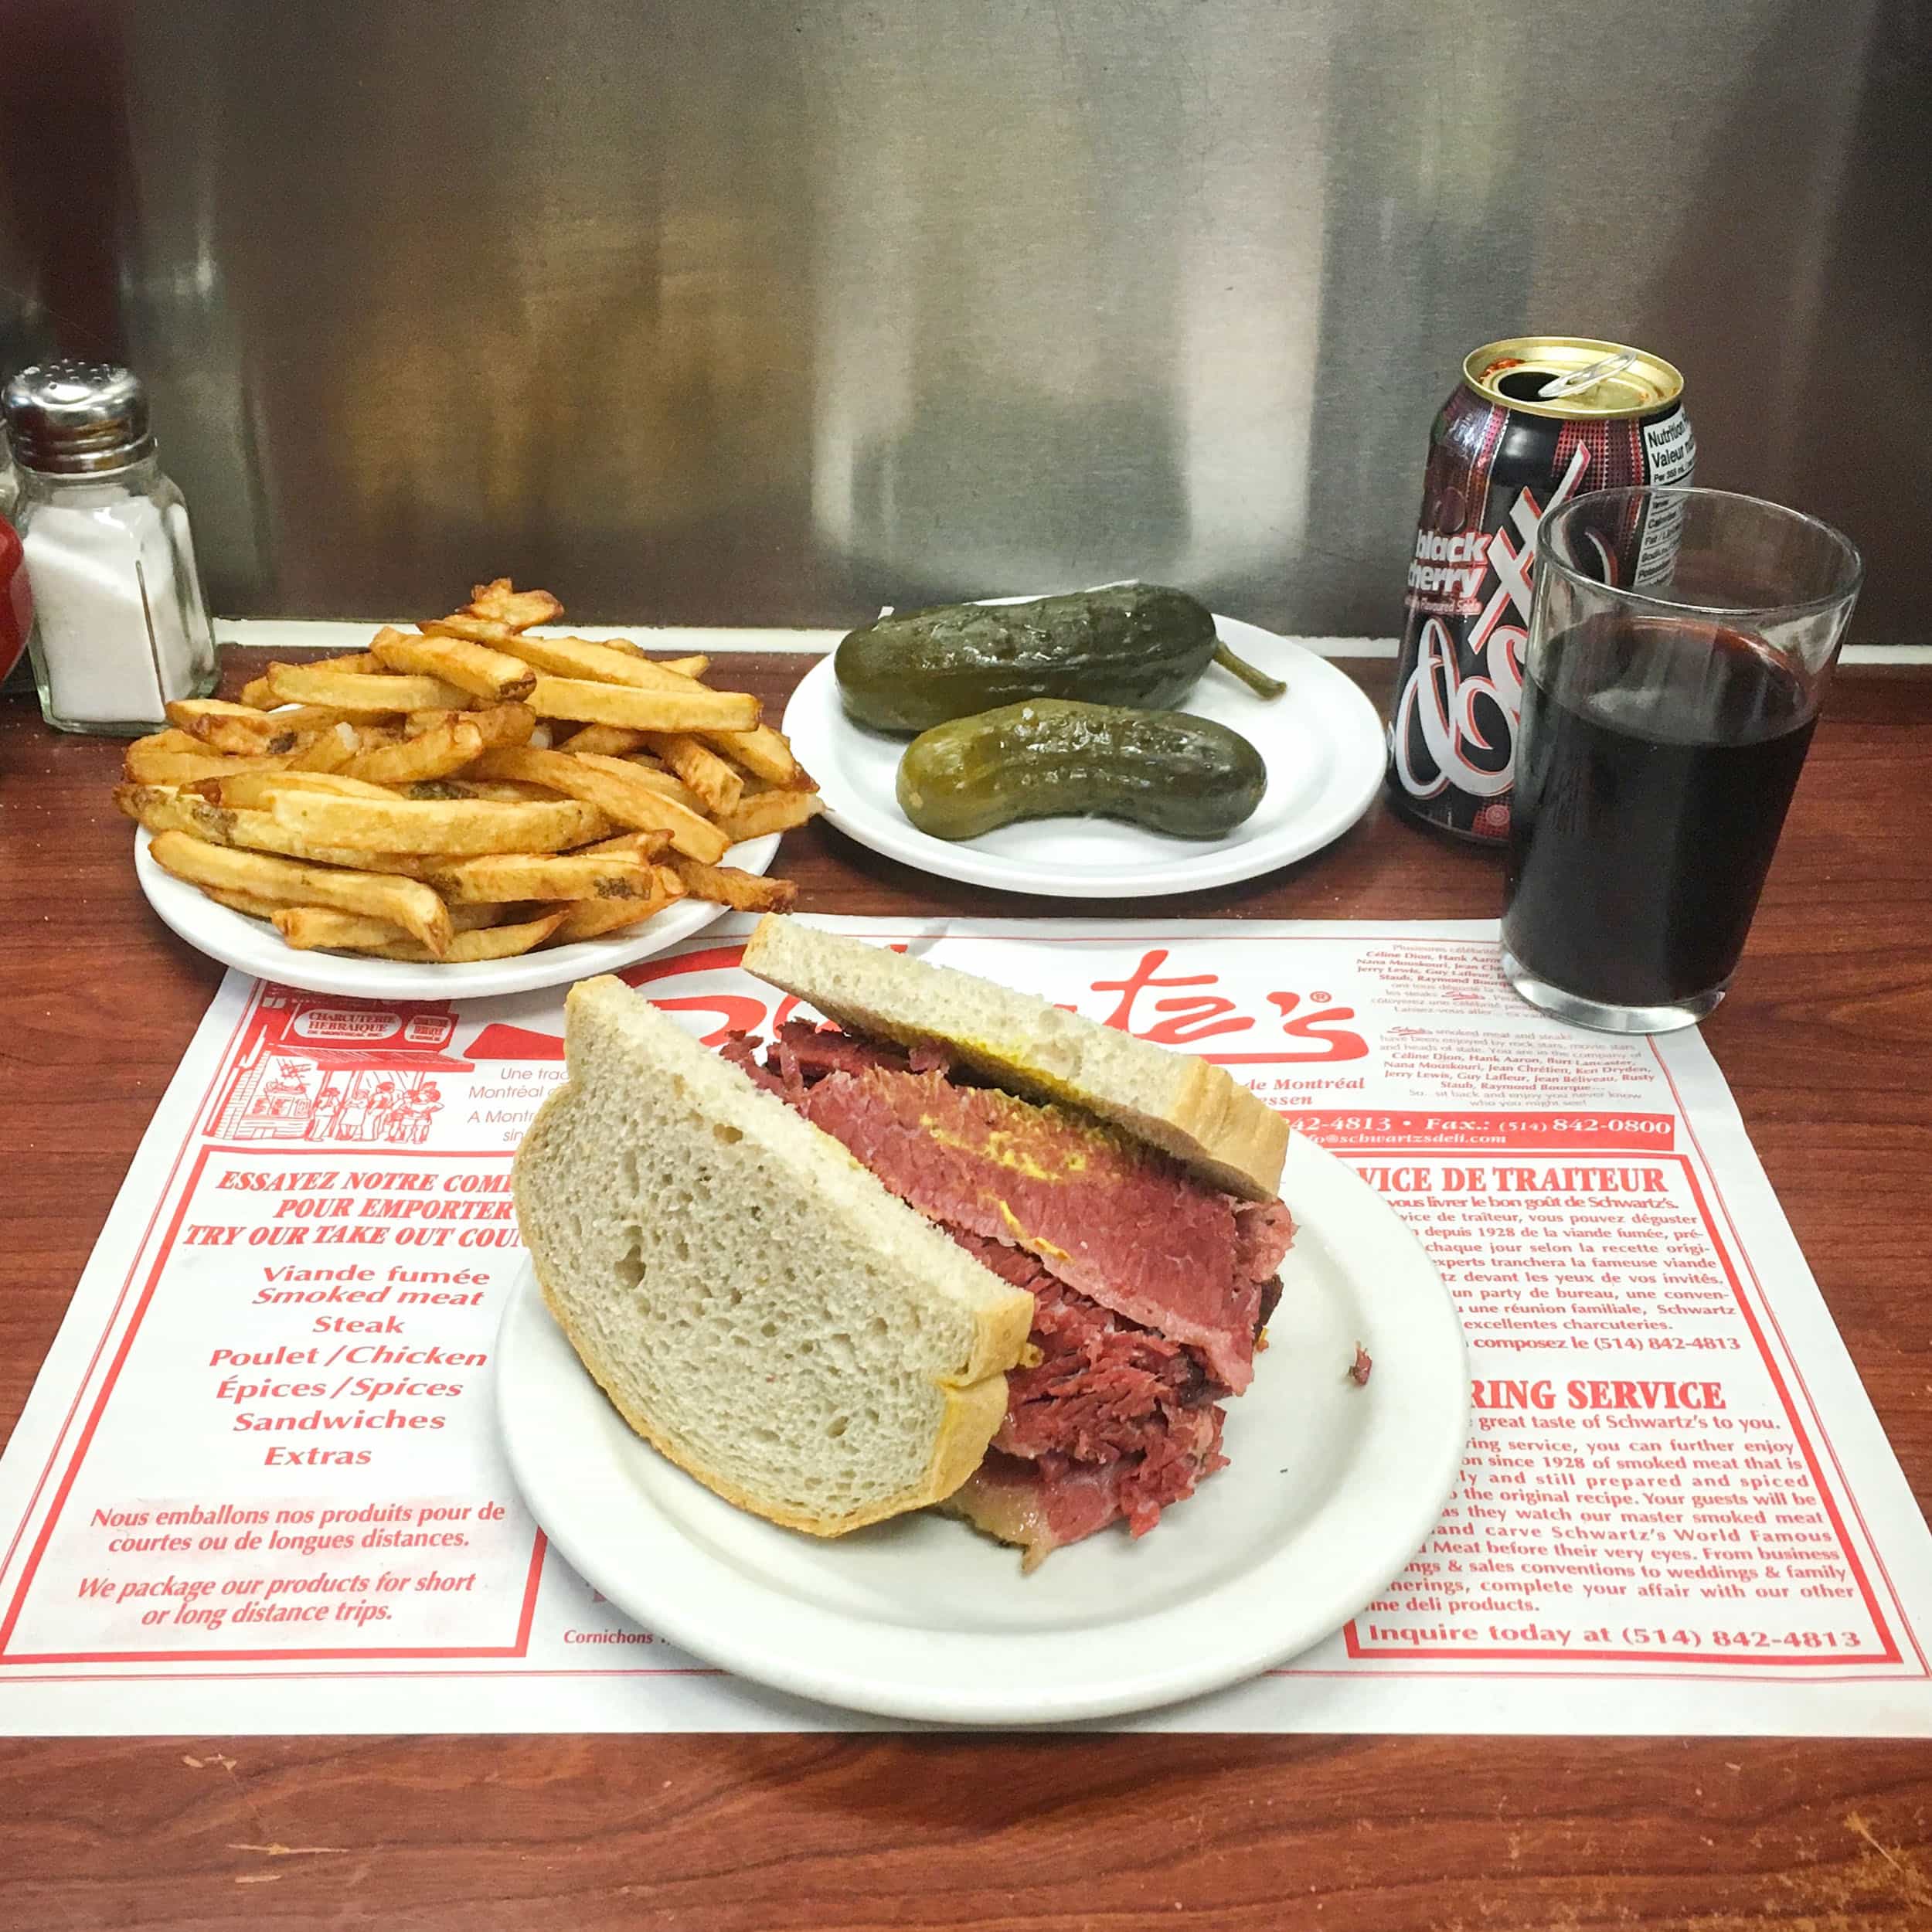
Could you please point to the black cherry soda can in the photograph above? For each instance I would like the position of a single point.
(1535, 421)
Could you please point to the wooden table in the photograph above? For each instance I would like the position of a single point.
(1825, 1042)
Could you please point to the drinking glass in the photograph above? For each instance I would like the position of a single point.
(1663, 725)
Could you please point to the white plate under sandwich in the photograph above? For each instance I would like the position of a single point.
(1330, 1489)
(1322, 743)
(253, 946)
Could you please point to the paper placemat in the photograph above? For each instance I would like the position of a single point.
(256, 1487)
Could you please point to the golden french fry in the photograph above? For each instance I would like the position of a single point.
(517, 610)
(695, 708)
(499, 724)
(683, 667)
(592, 918)
(403, 902)
(771, 812)
(645, 764)
(652, 844)
(147, 763)
(501, 790)
(459, 827)
(241, 729)
(162, 809)
(620, 790)
(608, 741)
(473, 668)
(744, 892)
(362, 694)
(256, 790)
(435, 753)
(307, 927)
(486, 630)
(184, 713)
(764, 752)
(254, 908)
(717, 787)
(596, 663)
(332, 748)
(173, 740)
(499, 877)
(491, 942)
(258, 692)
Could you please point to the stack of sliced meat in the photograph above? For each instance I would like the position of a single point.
(1151, 1286)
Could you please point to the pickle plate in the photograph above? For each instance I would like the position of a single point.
(1321, 742)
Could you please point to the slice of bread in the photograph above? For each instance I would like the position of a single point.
(751, 1299)
(1189, 1108)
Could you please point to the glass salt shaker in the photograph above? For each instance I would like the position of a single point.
(120, 628)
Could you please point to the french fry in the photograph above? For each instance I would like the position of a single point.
(764, 752)
(597, 663)
(330, 750)
(307, 927)
(744, 892)
(500, 724)
(184, 713)
(172, 739)
(459, 624)
(499, 877)
(661, 782)
(254, 908)
(256, 790)
(239, 729)
(494, 942)
(517, 610)
(361, 694)
(501, 790)
(608, 741)
(403, 902)
(160, 809)
(473, 668)
(592, 918)
(435, 753)
(459, 827)
(257, 691)
(700, 769)
(771, 812)
(619, 789)
(145, 764)
(696, 707)
(652, 844)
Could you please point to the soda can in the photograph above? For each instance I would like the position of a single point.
(1535, 421)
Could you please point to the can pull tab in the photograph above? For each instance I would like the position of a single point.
(1587, 377)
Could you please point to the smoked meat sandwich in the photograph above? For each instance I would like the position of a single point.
(955, 1246)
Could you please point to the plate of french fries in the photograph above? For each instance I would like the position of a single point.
(475, 806)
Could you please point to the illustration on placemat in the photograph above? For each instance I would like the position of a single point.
(333, 1070)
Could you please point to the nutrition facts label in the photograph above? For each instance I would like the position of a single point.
(258, 1486)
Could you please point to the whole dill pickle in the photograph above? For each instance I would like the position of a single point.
(1053, 758)
(1132, 644)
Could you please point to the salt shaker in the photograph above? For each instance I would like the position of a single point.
(120, 628)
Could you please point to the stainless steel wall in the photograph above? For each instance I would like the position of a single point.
(718, 310)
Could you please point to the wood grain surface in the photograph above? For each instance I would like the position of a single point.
(1826, 1042)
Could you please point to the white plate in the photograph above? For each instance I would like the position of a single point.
(253, 946)
(1331, 1488)
(1322, 744)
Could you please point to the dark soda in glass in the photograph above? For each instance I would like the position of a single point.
(1656, 759)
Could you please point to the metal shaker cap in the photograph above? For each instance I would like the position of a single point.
(77, 419)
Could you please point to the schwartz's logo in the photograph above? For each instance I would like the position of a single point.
(1187, 1010)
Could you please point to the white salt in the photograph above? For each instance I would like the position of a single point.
(114, 636)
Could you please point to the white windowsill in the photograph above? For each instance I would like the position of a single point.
(302, 634)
